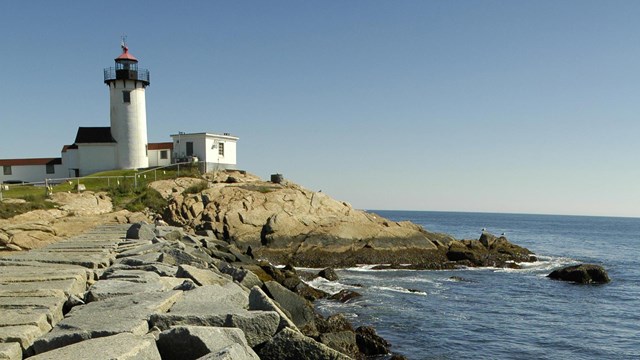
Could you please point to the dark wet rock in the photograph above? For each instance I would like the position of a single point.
(309, 292)
(582, 274)
(328, 274)
(489, 250)
(345, 295)
(370, 343)
(342, 341)
(291, 345)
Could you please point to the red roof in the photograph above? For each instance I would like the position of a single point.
(160, 146)
(36, 161)
(125, 55)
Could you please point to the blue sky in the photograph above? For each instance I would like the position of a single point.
(492, 106)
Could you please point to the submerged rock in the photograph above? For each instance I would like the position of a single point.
(328, 274)
(582, 274)
(345, 295)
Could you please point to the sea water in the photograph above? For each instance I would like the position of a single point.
(490, 313)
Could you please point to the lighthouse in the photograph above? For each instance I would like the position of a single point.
(127, 84)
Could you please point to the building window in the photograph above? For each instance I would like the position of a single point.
(51, 169)
(189, 148)
(221, 149)
(164, 154)
(6, 169)
(146, 150)
(126, 96)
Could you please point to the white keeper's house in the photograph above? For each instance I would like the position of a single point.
(124, 145)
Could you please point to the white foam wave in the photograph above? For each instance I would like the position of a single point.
(332, 287)
(543, 264)
(365, 267)
(400, 290)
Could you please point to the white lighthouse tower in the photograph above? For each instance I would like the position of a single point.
(127, 85)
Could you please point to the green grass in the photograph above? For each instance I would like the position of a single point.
(196, 188)
(126, 191)
(34, 202)
(103, 181)
(125, 196)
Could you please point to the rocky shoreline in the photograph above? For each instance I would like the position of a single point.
(206, 287)
(158, 293)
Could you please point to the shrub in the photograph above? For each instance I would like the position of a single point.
(127, 197)
(34, 202)
(196, 188)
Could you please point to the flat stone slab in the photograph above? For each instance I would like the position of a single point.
(147, 248)
(258, 326)
(137, 263)
(123, 346)
(7, 266)
(68, 287)
(11, 274)
(292, 345)
(231, 352)
(10, 351)
(25, 335)
(222, 306)
(203, 276)
(212, 298)
(51, 306)
(134, 275)
(106, 289)
(108, 317)
(91, 261)
(119, 282)
(34, 293)
(15, 317)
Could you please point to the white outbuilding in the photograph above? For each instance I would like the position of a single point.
(216, 151)
(124, 145)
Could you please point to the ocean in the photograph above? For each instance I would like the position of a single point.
(490, 313)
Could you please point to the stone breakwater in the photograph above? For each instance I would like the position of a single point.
(158, 293)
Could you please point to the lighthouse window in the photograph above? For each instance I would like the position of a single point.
(126, 96)
(221, 149)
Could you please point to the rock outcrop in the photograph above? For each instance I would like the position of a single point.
(582, 274)
(288, 224)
